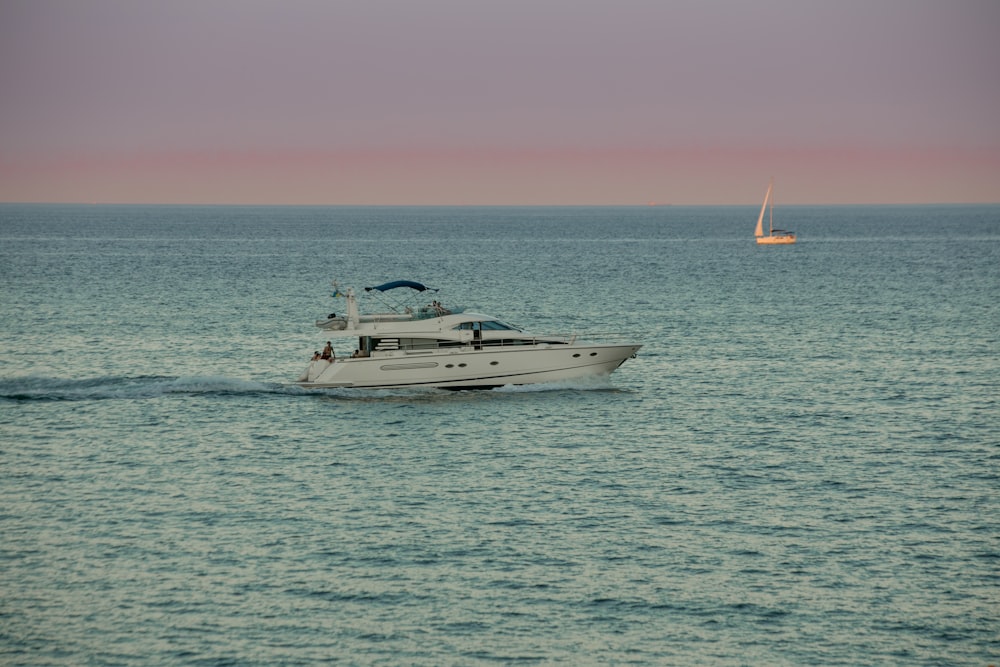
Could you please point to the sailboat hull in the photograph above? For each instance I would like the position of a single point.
(785, 239)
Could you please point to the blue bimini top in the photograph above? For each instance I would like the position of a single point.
(400, 283)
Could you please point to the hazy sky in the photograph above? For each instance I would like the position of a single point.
(499, 101)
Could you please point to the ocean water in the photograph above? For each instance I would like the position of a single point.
(802, 466)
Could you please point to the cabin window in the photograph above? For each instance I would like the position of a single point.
(426, 343)
(488, 325)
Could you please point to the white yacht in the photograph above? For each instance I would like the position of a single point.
(433, 346)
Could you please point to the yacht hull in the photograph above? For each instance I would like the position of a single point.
(468, 367)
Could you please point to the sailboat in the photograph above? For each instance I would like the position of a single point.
(774, 236)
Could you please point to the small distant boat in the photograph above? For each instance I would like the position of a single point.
(774, 236)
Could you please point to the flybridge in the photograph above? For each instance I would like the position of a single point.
(404, 309)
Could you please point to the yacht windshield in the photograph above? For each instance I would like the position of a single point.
(487, 325)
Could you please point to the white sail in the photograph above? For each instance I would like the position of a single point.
(760, 220)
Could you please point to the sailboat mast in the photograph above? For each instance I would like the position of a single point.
(770, 222)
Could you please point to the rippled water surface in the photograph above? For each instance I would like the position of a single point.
(800, 467)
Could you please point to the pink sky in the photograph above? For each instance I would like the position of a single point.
(488, 102)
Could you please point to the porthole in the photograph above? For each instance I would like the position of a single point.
(494, 363)
(576, 355)
(449, 365)
(593, 354)
(462, 365)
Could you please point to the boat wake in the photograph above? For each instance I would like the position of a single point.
(152, 386)
(142, 387)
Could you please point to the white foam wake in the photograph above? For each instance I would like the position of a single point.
(61, 389)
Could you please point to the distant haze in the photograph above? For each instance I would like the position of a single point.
(499, 102)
